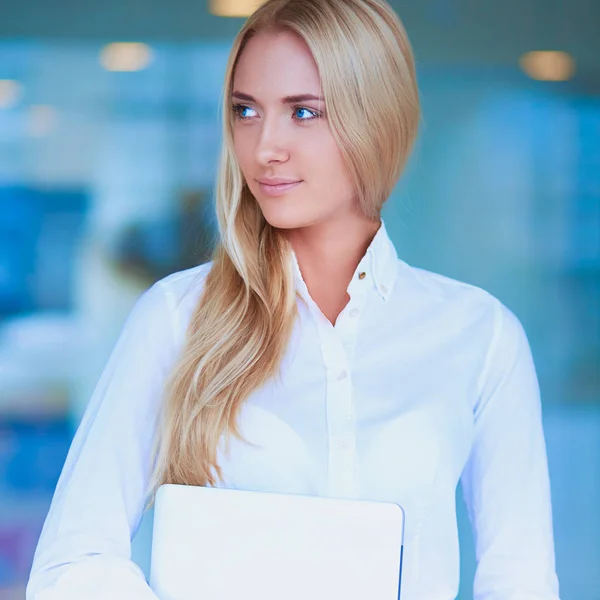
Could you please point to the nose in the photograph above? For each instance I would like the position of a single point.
(271, 146)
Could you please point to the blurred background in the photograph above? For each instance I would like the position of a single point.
(109, 136)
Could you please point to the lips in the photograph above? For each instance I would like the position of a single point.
(276, 186)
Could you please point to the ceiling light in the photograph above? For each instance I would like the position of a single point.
(126, 56)
(548, 65)
(10, 93)
(234, 8)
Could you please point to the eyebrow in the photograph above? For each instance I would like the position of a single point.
(285, 100)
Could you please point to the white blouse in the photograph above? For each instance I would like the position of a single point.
(423, 380)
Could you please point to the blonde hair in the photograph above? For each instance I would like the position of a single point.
(243, 321)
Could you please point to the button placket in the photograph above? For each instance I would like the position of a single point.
(340, 421)
(337, 348)
(349, 323)
(343, 462)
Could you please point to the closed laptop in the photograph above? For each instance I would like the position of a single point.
(224, 544)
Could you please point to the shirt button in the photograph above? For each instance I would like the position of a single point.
(362, 275)
(354, 312)
(342, 375)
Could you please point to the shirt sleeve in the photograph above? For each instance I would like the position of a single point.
(84, 550)
(505, 481)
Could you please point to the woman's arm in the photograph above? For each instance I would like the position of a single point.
(505, 481)
(84, 549)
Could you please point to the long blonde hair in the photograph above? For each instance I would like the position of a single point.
(243, 321)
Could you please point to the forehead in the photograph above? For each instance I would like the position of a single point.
(276, 64)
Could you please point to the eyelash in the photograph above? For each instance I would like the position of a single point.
(237, 108)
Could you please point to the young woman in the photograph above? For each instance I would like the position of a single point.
(306, 357)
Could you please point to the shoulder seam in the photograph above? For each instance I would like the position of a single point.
(497, 328)
(193, 274)
(171, 307)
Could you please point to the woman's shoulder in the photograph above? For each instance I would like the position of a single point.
(466, 305)
(185, 284)
(175, 296)
(431, 287)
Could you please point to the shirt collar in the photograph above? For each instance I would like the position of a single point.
(377, 269)
(383, 262)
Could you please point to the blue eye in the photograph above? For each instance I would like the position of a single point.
(304, 114)
(240, 111)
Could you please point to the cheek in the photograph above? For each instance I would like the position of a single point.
(243, 151)
(329, 167)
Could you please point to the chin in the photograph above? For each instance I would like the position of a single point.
(278, 220)
(280, 216)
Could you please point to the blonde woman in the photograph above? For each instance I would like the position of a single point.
(306, 357)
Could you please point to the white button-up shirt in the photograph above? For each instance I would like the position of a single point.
(422, 382)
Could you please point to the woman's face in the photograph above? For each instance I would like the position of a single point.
(282, 139)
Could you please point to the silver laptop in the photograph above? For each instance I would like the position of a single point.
(223, 544)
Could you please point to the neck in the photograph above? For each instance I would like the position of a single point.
(328, 254)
